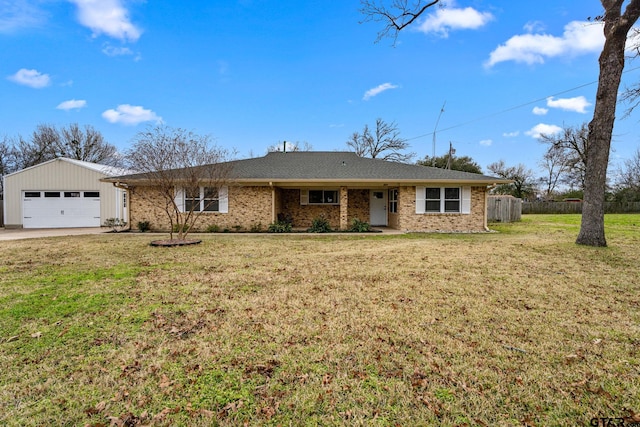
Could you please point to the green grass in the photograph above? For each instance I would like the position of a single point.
(518, 327)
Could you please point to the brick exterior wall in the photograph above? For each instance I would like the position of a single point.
(248, 206)
(358, 205)
(410, 221)
(303, 215)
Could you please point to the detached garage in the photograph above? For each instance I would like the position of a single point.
(62, 193)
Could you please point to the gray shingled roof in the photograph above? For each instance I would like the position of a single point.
(336, 166)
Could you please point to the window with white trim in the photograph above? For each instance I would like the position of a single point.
(443, 200)
(203, 199)
(323, 197)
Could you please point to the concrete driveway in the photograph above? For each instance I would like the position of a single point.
(35, 233)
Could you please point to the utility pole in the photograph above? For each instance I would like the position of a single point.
(433, 151)
(450, 156)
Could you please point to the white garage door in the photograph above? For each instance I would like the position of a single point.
(60, 209)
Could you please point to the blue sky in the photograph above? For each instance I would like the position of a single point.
(254, 73)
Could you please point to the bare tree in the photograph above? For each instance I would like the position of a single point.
(385, 143)
(628, 182)
(523, 185)
(7, 162)
(88, 145)
(569, 151)
(555, 164)
(398, 15)
(48, 142)
(285, 146)
(172, 161)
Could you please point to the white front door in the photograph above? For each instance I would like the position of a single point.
(378, 207)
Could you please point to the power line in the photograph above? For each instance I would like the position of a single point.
(511, 108)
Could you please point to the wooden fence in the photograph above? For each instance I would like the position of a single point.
(575, 207)
(504, 209)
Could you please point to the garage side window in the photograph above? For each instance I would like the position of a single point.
(31, 194)
(71, 194)
(92, 194)
(51, 194)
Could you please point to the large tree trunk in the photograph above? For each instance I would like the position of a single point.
(616, 27)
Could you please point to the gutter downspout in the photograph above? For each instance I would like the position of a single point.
(125, 187)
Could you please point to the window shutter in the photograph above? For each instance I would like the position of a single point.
(304, 197)
(223, 199)
(180, 199)
(465, 207)
(420, 200)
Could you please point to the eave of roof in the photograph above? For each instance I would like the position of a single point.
(333, 167)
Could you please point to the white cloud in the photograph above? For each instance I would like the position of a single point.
(451, 18)
(72, 104)
(543, 129)
(378, 90)
(579, 37)
(107, 17)
(534, 26)
(18, 14)
(31, 78)
(539, 111)
(486, 142)
(130, 115)
(578, 104)
(511, 134)
(116, 51)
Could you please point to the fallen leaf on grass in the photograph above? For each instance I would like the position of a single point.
(36, 334)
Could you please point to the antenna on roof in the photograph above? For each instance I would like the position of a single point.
(433, 152)
(284, 146)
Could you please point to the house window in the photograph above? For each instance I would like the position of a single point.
(452, 200)
(203, 199)
(210, 199)
(393, 201)
(323, 197)
(432, 196)
(438, 200)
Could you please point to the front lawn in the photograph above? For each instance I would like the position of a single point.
(519, 327)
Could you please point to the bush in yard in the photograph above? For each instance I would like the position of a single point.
(115, 224)
(358, 226)
(320, 225)
(213, 228)
(280, 227)
(144, 226)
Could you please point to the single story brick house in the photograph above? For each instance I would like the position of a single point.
(340, 186)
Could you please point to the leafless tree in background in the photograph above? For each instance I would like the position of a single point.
(523, 185)
(384, 143)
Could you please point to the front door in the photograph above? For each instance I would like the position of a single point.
(378, 207)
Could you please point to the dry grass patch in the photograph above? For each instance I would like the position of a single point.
(520, 327)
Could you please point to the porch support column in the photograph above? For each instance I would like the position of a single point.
(344, 208)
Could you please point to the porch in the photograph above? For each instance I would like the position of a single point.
(338, 205)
